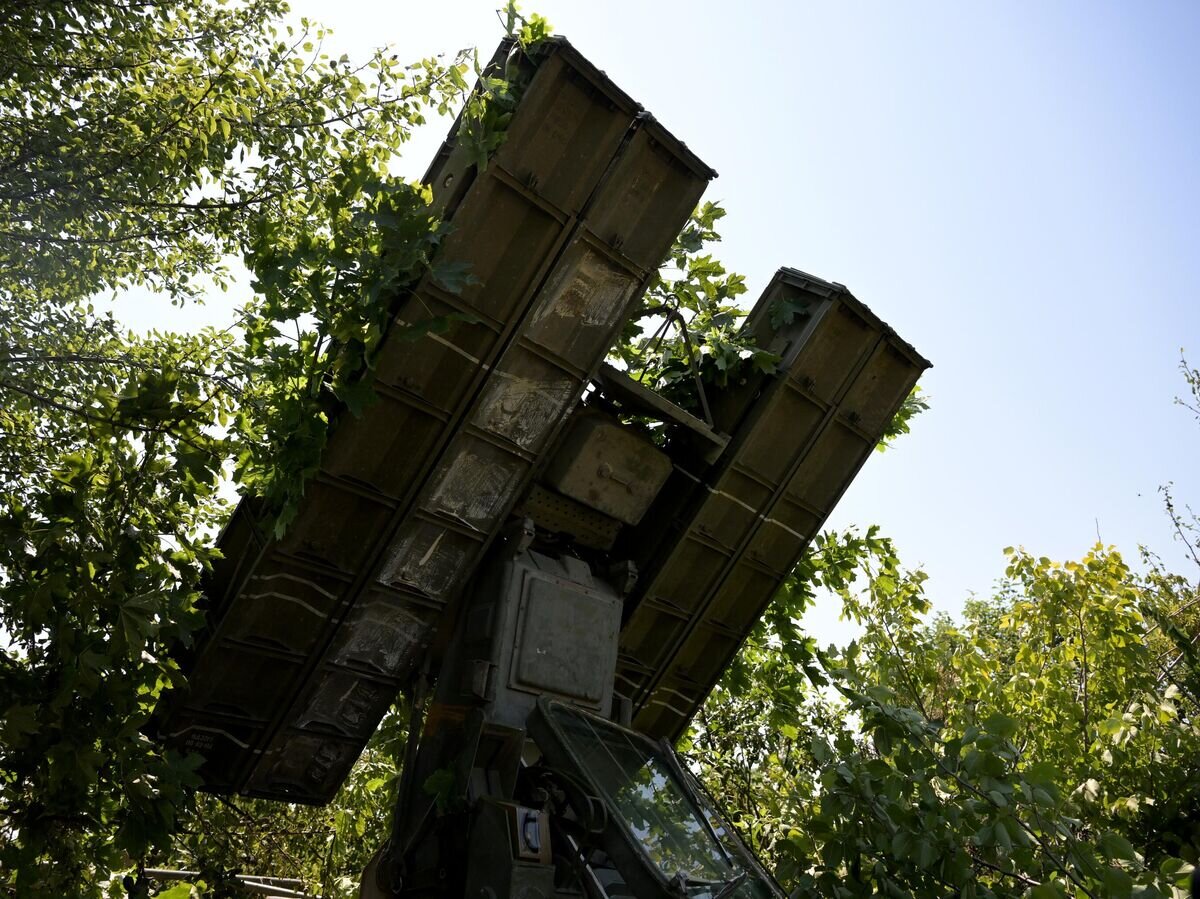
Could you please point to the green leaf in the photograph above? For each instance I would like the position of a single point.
(926, 855)
(453, 276)
(19, 721)
(1001, 725)
(1114, 845)
(1003, 840)
(1117, 883)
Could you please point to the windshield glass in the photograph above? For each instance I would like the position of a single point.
(640, 783)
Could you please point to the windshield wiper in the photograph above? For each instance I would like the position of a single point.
(732, 884)
(682, 883)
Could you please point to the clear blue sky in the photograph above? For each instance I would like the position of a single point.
(1012, 186)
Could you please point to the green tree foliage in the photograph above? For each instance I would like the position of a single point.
(692, 319)
(105, 483)
(145, 144)
(1044, 746)
(141, 142)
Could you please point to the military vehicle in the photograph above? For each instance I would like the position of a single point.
(552, 562)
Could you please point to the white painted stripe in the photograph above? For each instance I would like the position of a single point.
(437, 338)
(299, 580)
(287, 598)
(749, 508)
(432, 549)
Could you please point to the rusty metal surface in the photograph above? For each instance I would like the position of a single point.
(311, 636)
(736, 530)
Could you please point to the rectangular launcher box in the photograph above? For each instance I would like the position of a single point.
(719, 542)
(310, 637)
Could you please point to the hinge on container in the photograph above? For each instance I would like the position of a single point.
(478, 680)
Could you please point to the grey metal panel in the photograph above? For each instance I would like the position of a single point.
(577, 663)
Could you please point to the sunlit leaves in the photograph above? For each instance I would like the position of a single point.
(145, 144)
(108, 469)
(528, 30)
(1032, 749)
(689, 323)
(914, 404)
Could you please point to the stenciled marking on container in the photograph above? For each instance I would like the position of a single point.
(382, 636)
(524, 409)
(200, 737)
(419, 560)
(474, 488)
(344, 703)
(589, 294)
